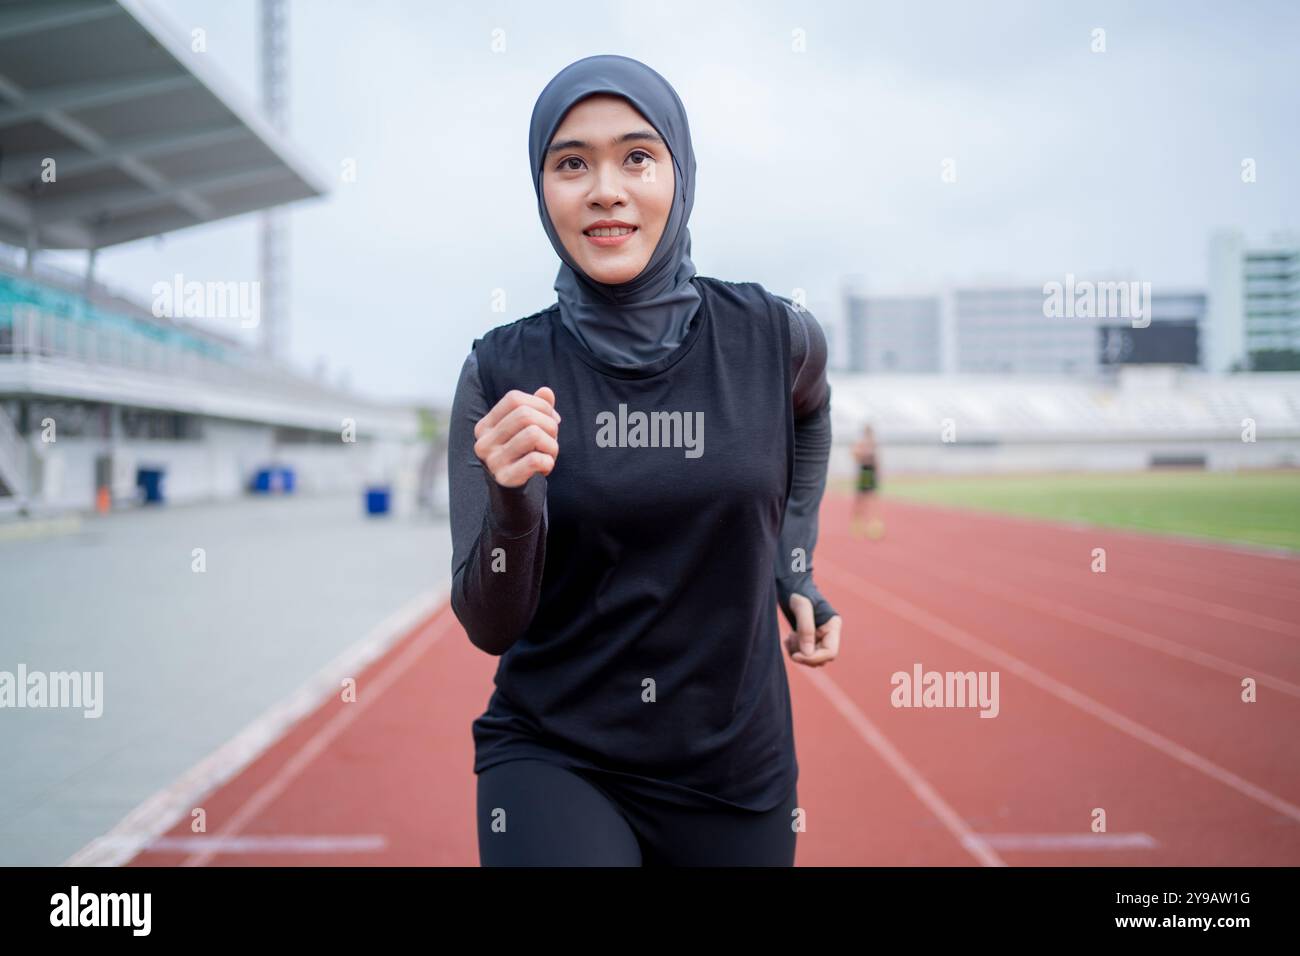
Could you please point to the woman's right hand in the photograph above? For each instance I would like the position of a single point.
(519, 437)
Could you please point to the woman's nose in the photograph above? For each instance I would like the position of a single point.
(606, 190)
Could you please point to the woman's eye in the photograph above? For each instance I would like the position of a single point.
(564, 166)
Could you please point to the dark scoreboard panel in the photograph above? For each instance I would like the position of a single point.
(1174, 342)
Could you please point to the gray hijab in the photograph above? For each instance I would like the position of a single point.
(639, 321)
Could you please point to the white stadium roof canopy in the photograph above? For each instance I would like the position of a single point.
(145, 136)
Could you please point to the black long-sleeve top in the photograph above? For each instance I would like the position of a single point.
(486, 516)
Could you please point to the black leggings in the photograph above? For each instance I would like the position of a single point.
(556, 816)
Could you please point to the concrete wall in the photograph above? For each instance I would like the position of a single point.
(218, 466)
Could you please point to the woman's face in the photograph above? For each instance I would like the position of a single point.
(606, 163)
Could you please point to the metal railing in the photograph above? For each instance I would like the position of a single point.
(37, 334)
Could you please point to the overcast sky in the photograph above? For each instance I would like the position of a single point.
(813, 165)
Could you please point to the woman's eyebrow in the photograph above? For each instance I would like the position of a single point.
(642, 135)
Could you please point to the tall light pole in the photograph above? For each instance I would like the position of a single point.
(274, 246)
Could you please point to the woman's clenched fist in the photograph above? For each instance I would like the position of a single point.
(519, 437)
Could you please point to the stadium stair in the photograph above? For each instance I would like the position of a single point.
(13, 466)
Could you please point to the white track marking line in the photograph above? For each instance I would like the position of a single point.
(321, 740)
(1153, 569)
(269, 843)
(1049, 842)
(1205, 542)
(869, 732)
(174, 803)
(905, 609)
(1146, 592)
(1107, 626)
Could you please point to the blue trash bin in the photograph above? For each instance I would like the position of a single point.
(262, 480)
(377, 500)
(286, 480)
(150, 479)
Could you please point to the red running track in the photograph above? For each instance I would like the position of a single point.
(1118, 691)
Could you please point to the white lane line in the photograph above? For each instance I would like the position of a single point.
(1205, 542)
(966, 837)
(1106, 626)
(955, 635)
(163, 810)
(277, 843)
(1071, 841)
(1120, 587)
(343, 718)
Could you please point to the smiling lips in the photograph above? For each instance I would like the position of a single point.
(609, 232)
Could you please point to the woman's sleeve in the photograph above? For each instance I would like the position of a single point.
(811, 398)
(498, 534)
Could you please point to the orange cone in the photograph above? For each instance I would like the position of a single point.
(102, 500)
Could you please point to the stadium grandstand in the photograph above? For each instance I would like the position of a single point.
(1145, 417)
(122, 135)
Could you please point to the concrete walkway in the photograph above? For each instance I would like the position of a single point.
(187, 659)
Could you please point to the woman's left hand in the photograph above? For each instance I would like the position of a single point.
(809, 645)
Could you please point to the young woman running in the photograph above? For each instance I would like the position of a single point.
(635, 474)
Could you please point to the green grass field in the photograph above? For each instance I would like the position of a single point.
(1261, 508)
